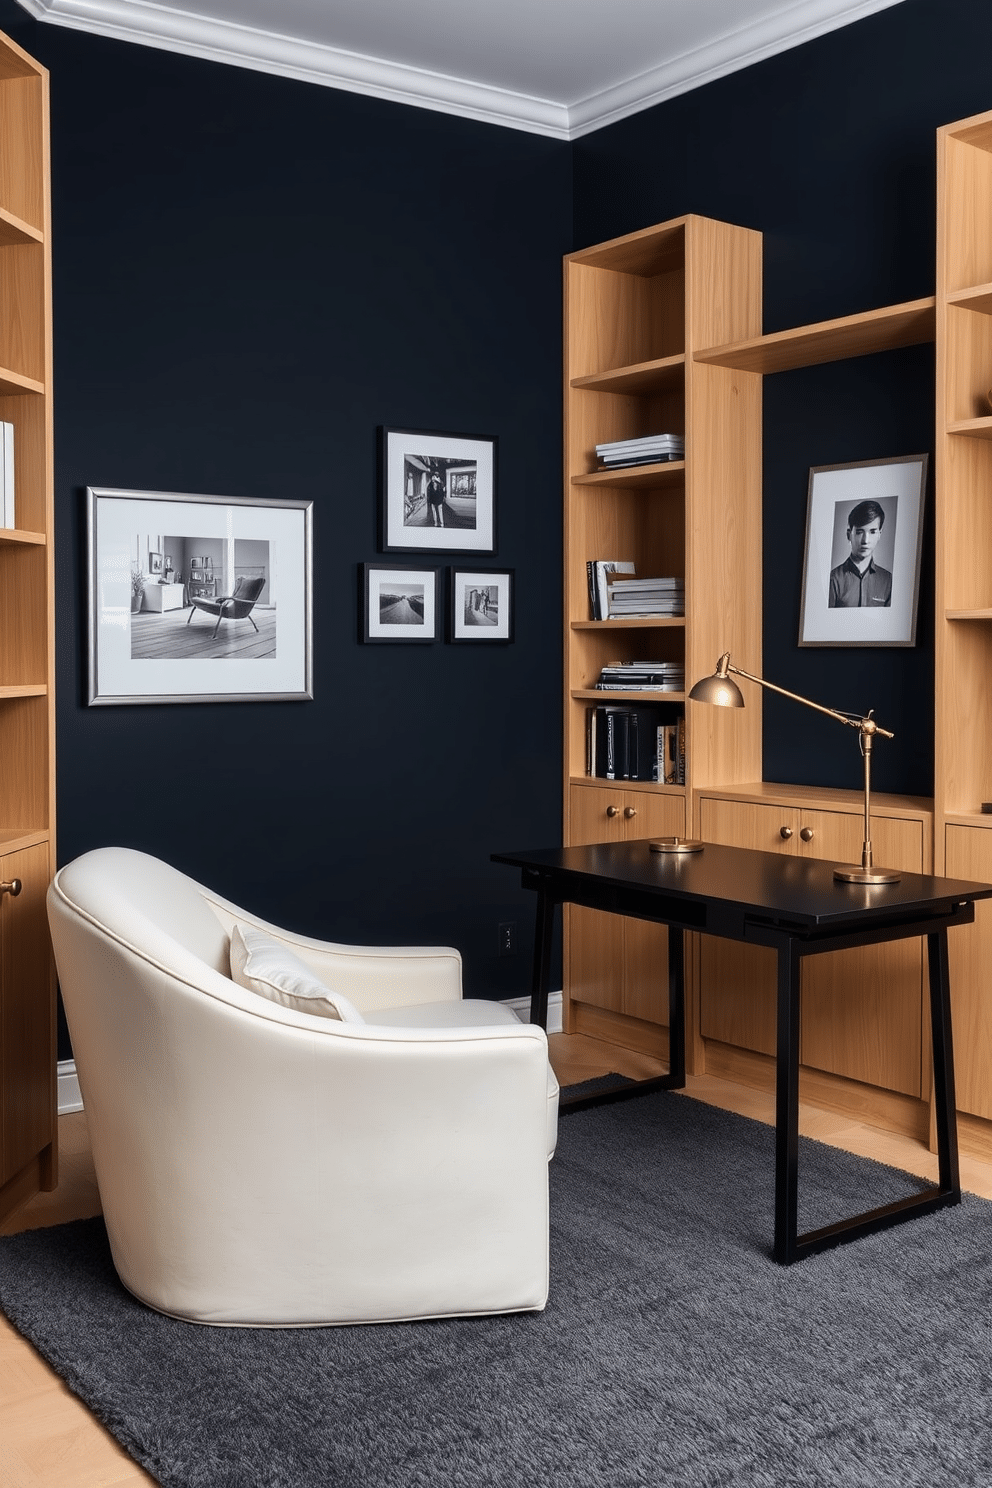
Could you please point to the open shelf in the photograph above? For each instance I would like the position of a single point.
(17, 535)
(639, 622)
(979, 299)
(909, 324)
(606, 696)
(643, 377)
(973, 428)
(14, 383)
(633, 477)
(980, 614)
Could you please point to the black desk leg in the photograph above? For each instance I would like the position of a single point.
(943, 1065)
(787, 1104)
(676, 1008)
(541, 974)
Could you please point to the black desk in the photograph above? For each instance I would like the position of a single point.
(795, 906)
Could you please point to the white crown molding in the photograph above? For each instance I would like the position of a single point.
(732, 52)
(149, 24)
(286, 56)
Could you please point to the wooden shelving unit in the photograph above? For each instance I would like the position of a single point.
(27, 670)
(636, 310)
(963, 633)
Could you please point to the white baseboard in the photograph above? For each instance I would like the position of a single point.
(69, 1096)
(521, 1006)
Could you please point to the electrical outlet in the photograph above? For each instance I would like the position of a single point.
(508, 938)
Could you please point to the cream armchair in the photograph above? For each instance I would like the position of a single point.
(265, 1166)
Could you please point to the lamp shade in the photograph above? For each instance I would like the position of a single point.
(721, 691)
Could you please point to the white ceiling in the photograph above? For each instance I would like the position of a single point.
(554, 67)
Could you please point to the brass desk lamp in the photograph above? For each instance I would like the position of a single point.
(719, 689)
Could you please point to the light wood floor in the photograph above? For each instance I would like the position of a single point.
(49, 1440)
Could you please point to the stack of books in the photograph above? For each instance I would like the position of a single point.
(7, 475)
(647, 451)
(630, 597)
(635, 744)
(642, 676)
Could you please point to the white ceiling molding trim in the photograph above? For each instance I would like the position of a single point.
(731, 52)
(265, 51)
(149, 24)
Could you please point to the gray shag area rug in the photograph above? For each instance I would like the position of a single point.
(673, 1350)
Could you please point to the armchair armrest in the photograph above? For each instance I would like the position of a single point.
(370, 976)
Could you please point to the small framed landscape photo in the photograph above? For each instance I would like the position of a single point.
(864, 532)
(399, 603)
(437, 492)
(480, 605)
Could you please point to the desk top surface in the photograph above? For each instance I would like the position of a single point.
(776, 888)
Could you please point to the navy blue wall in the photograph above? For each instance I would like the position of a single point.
(250, 275)
(828, 150)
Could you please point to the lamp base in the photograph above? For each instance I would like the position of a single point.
(866, 875)
(675, 845)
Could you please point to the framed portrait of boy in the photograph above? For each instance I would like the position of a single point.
(861, 573)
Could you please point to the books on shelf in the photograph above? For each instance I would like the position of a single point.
(642, 676)
(631, 743)
(631, 597)
(650, 450)
(7, 475)
(597, 572)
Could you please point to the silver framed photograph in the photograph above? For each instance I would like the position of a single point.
(480, 605)
(196, 599)
(399, 603)
(437, 492)
(864, 535)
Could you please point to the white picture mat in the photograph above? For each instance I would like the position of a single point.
(464, 581)
(898, 486)
(386, 579)
(399, 444)
(117, 517)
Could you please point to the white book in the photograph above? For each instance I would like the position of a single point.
(7, 474)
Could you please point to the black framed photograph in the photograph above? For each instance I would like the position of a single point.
(399, 603)
(437, 492)
(480, 604)
(235, 623)
(864, 535)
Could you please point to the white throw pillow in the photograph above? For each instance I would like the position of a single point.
(265, 966)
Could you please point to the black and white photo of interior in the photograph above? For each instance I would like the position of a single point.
(202, 597)
(439, 492)
(301, 1185)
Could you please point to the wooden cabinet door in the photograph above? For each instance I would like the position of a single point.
(969, 856)
(645, 952)
(612, 962)
(862, 1009)
(27, 1034)
(593, 940)
(737, 982)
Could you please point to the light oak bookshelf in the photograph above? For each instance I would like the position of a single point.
(27, 670)
(636, 311)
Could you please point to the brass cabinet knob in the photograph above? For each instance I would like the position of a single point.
(629, 812)
(613, 810)
(807, 834)
(785, 833)
(13, 888)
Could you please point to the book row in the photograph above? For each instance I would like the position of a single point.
(615, 592)
(624, 743)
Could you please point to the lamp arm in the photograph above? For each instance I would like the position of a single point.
(864, 725)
